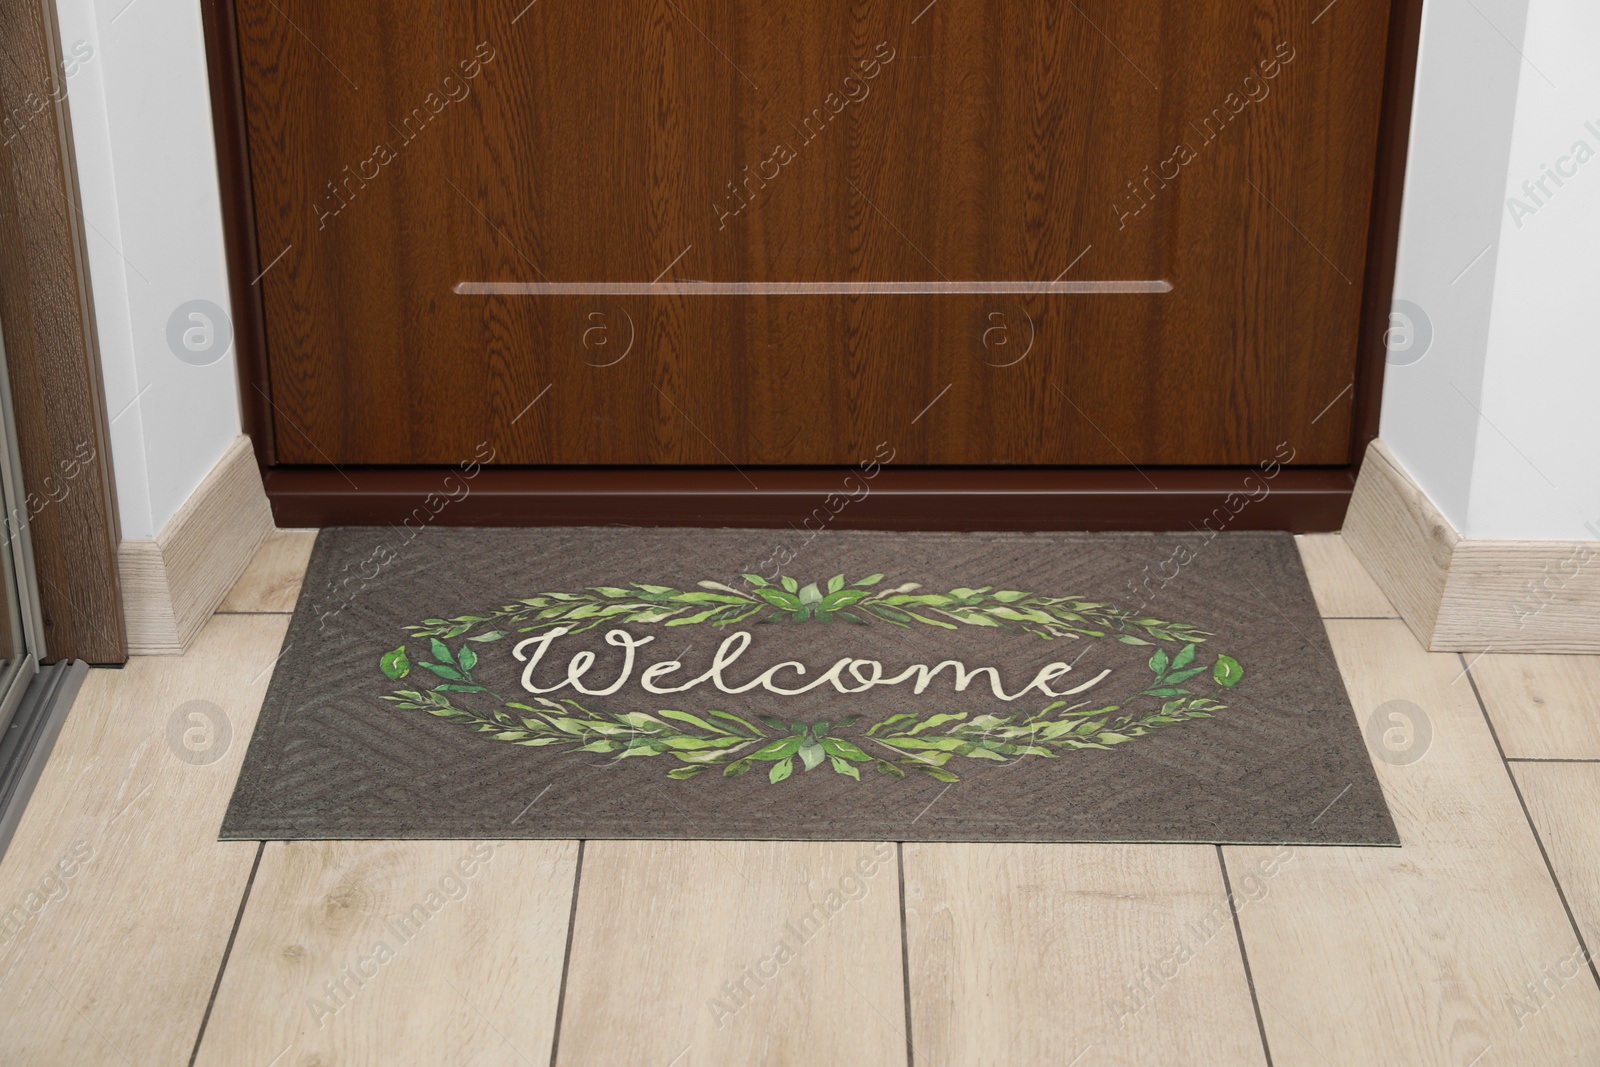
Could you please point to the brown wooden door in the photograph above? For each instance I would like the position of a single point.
(753, 232)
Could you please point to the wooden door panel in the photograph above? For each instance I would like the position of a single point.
(995, 145)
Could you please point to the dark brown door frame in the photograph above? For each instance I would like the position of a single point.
(47, 313)
(1300, 498)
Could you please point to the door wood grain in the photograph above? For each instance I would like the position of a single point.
(1221, 155)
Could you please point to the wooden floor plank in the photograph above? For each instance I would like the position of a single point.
(1415, 955)
(1089, 954)
(718, 952)
(1341, 585)
(1563, 798)
(386, 952)
(1543, 707)
(118, 899)
(272, 580)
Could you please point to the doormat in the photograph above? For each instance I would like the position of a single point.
(660, 683)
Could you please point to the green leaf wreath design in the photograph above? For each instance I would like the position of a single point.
(904, 742)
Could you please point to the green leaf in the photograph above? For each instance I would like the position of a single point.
(683, 743)
(932, 759)
(1022, 615)
(937, 720)
(640, 721)
(683, 716)
(1129, 639)
(932, 600)
(780, 749)
(976, 618)
(779, 599)
(640, 748)
(1227, 672)
(568, 726)
(838, 748)
(869, 580)
(890, 721)
(1183, 658)
(790, 584)
(712, 756)
(734, 718)
(811, 754)
(945, 744)
(755, 580)
(441, 652)
(736, 768)
(462, 688)
(882, 611)
(1158, 662)
(395, 665)
(781, 770)
(691, 620)
(694, 596)
(492, 635)
(810, 594)
(444, 672)
(844, 767)
(938, 772)
(836, 583)
(684, 772)
(707, 584)
(467, 659)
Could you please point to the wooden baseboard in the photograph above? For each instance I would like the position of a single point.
(171, 585)
(1401, 538)
(1470, 595)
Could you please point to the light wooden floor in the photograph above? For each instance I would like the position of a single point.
(137, 938)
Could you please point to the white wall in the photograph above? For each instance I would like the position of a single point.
(147, 173)
(1537, 472)
(1494, 420)
(1461, 122)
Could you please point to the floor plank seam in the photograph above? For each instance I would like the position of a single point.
(905, 951)
(566, 959)
(1244, 956)
(227, 952)
(1552, 759)
(1544, 853)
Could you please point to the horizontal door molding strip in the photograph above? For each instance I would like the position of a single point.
(1304, 500)
(692, 288)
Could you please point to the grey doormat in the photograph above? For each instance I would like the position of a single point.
(648, 683)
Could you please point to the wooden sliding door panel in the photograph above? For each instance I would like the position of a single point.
(750, 232)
